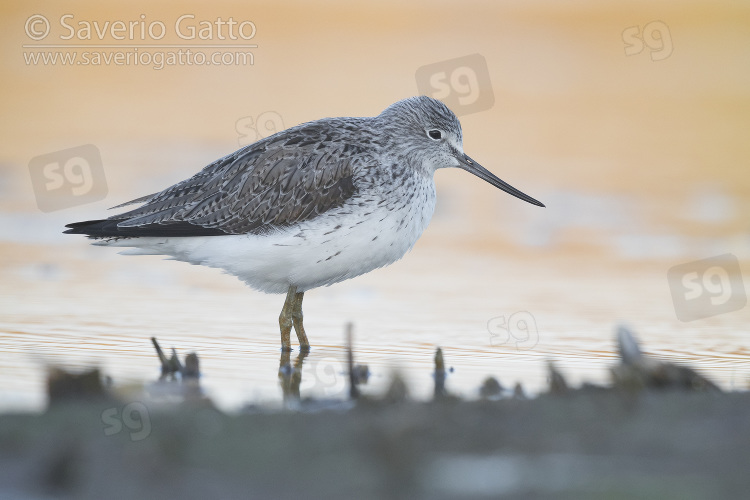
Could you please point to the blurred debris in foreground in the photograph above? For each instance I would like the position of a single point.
(659, 431)
(64, 386)
(637, 371)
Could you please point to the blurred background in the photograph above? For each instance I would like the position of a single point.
(629, 121)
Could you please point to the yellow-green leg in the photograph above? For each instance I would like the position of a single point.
(304, 345)
(285, 319)
(291, 315)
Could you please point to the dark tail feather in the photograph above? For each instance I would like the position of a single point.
(94, 228)
(108, 228)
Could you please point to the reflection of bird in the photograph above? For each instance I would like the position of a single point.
(313, 205)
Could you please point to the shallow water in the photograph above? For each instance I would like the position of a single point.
(75, 306)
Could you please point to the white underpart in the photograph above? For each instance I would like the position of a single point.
(310, 254)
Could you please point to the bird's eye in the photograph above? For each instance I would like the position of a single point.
(435, 134)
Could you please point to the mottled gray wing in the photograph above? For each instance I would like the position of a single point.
(287, 178)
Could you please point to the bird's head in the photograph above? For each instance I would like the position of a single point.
(428, 130)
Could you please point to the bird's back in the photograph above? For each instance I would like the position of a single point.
(292, 176)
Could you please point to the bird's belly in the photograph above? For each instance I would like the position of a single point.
(356, 245)
(335, 246)
(339, 246)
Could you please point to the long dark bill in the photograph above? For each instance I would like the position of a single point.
(475, 168)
